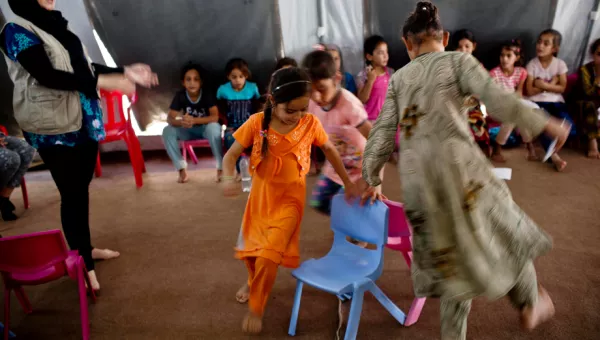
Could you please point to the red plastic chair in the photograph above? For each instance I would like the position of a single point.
(399, 239)
(118, 127)
(23, 184)
(38, 258)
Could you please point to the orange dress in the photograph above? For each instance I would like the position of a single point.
(271, 223)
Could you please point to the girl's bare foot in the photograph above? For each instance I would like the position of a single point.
(219, 175)
(252, 324)
(238, 177)
(559, 164)
(93, 280)
(183, 176)
(533, 316)
(243, 294)
(104, 254)
(531, 155)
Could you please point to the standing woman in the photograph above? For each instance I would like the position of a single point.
(56, 105)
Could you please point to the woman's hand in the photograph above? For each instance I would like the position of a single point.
(368, 193)
(116, 82)
(558, 129)
(231, 188)
(141, 74)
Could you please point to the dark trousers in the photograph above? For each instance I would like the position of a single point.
(72, 169)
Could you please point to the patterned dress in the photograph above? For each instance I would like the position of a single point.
(470, 238)
(588, 101)
(18, 39)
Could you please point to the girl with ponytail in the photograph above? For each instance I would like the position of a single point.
(281, 140)
(470, 238)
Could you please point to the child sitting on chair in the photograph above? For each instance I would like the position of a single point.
(239, 98)
(193, 115)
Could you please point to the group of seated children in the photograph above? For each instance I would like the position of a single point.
(541, 84)
(196, 115)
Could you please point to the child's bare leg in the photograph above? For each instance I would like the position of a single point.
(531, 298)
(183, 176)
(531, 154)
(243, 294)
(263, 273)
(453, 315)
(497, 155)
(559, 163)
(593, 149)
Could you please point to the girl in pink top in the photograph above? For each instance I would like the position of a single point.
(511, 76)
(374, 79)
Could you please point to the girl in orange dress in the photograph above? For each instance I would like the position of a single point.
(281, 140)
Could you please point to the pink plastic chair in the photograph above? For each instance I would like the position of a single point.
(34, 259)
(188, 146)
(399, 239)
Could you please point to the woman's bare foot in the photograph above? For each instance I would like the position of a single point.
(252, 324)
(559, 164)
(183, 176)
(104, 254)
(243, 294)
(533, 316)
(219, 176)
(93, 280)
(531, 154)
(593, 149)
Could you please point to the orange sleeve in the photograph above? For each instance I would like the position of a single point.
(245, 133)
(320, 134)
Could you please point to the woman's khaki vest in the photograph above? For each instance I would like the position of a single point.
(39, 109)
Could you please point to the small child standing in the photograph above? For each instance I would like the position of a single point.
(546, 82)
(374, 79)
(347, 79)
(199, 121)
(344, 119)
(511, 76)
(281, 140)
(239, 96)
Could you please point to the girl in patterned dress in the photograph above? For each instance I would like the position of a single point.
(470, 238)
(587, 94)
(281, 140)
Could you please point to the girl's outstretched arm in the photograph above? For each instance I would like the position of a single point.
(230, 158)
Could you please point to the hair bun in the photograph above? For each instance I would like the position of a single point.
(426, 11)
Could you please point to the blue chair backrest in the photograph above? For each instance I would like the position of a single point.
(367, 223)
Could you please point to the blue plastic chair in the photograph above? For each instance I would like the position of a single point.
(11, 335)
(349, 269)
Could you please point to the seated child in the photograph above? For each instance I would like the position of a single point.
(239, 97)
(193, 115)
(344, 119)
(281, 138)
(511, 76)
(587, 94)
(546, 82)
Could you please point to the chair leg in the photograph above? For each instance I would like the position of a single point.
(133, 158)
(408, 258)
(6, 313)
(98, 169)
(86, 277)
(354, 317)
(23, 300)
(184, 152)
(388, 304)
(415, 311)
(295, 309)
(193, 154)
(83, 305)
(24, 191)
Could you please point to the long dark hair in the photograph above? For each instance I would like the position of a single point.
(516, 47)
(286, 85)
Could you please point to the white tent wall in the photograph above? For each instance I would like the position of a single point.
(344, 27)
(572, 20)
(299, 25)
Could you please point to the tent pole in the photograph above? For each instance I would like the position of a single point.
(367, 29)
(277, 31)
(321, 13)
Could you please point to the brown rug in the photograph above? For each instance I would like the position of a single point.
(177, 278)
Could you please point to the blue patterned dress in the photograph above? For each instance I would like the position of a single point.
(18, 39)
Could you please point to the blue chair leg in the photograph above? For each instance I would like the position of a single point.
(295, 309)
(388, 304)
(11, 335)
(354, 317)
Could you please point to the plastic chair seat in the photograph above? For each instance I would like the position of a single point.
(337, 272)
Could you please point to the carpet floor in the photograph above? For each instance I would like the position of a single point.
(177, 278)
